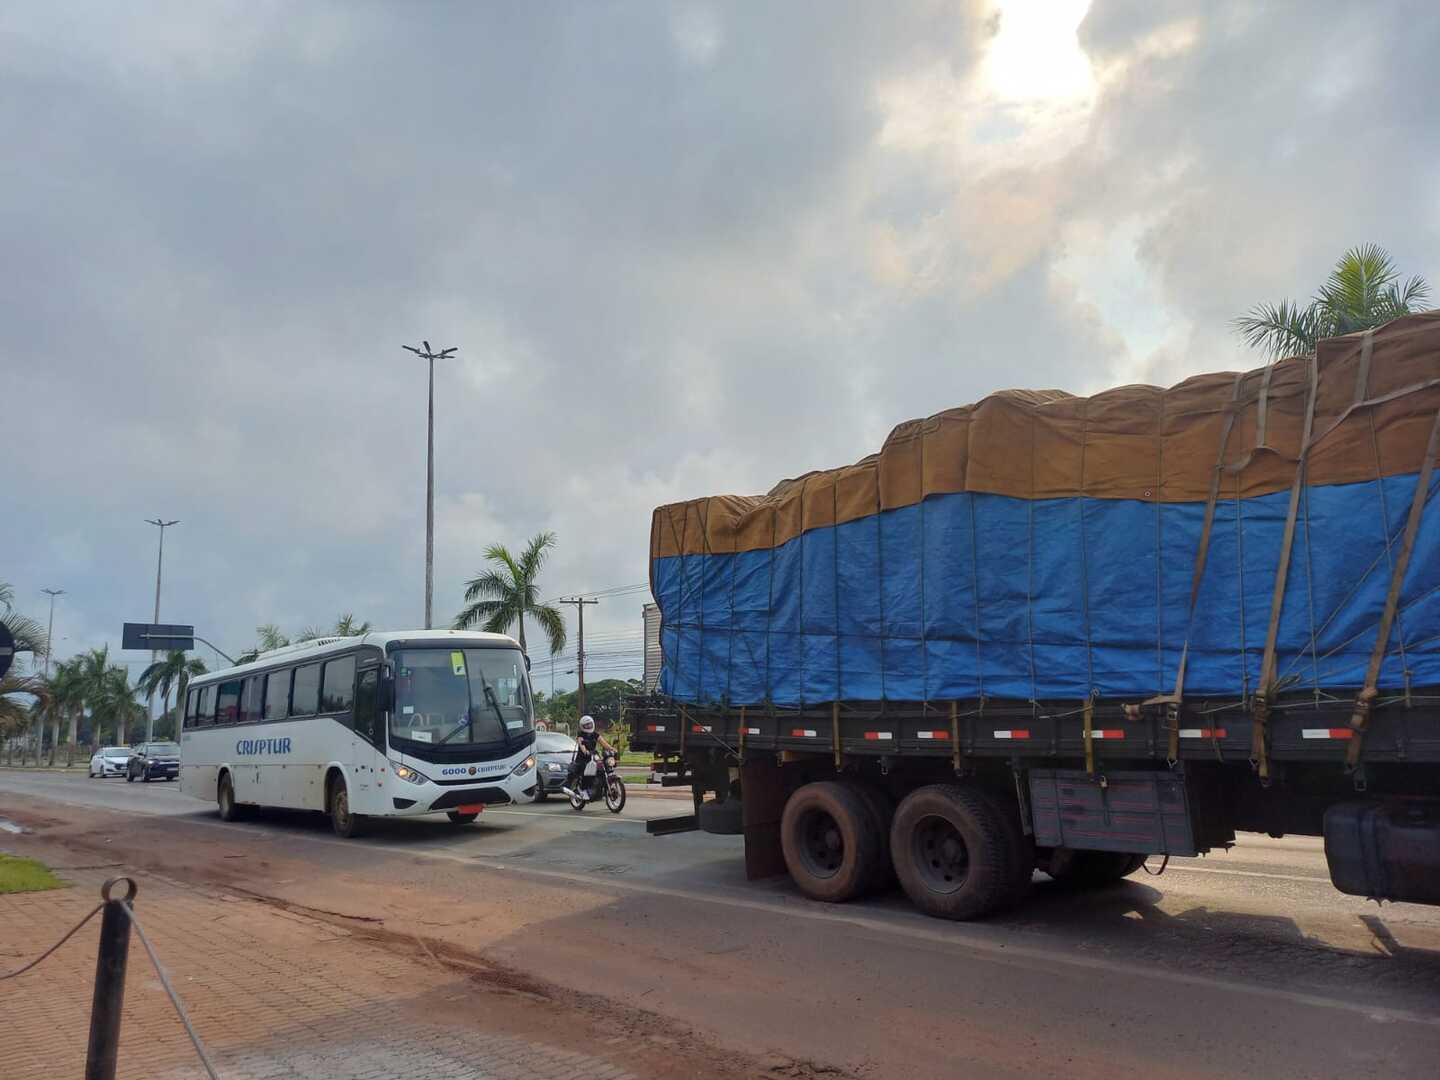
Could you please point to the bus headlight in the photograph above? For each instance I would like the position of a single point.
(404, 772)
(524, 766)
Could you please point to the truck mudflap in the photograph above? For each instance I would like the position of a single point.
(1142, 813)
(1385, 850)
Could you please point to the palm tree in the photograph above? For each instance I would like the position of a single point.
(175, 670)
(503, 595)
(15, 715)
(107, 693)
(67, 689)
(1363, 290)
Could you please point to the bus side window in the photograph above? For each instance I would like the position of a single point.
(367, 715)
(277, 695)
(339, 686)
(227, 706)
(250, 700)
(305, 698)
(205, 711)
(191, 699)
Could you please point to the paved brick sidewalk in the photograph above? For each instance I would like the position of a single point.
(274, 995)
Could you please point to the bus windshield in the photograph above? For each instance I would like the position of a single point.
(460, 697)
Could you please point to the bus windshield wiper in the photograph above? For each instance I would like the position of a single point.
(456, 729)
(495, 705)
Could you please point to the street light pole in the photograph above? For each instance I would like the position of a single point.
(50, 630)
(159, 565)
(39, 722)
(430, 355)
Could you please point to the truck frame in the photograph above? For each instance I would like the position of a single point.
(962, 801)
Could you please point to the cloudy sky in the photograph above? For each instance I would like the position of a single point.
(683, 248)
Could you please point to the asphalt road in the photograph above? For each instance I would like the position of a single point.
(1246, 962)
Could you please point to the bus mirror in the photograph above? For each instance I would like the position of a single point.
(527, 661)
(387, 693)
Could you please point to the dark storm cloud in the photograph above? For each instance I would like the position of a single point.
(675, 244)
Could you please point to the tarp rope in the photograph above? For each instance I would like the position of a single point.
(1360, 717)
(1260, 708)
(1177, 696)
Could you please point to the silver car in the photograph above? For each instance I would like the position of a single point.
(110, 761)
(553, 753)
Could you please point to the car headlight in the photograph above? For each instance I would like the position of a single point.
(405, 772)
(524, 766)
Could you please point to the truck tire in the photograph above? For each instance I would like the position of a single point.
(1075, 869)
(831, 841)
(1021, 847)
(721, 818)
(954, 855)
(882, 813)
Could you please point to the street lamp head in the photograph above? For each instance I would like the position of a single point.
(162, 524)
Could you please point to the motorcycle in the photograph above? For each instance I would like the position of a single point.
(600, 779)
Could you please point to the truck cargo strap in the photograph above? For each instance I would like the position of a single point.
(1360, 718)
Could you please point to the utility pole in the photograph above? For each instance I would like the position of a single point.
(580, 602)
(431, 356)
(159, 566)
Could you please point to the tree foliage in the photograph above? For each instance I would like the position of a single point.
(500, 596)
(1363, 290)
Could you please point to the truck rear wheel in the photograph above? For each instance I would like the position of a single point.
(831, 841)
(954, 854)
(1090, 869)
(882, 813)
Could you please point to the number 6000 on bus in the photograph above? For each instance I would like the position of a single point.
(379, 725)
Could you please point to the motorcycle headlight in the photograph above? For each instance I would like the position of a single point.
(524, 766)
(405, 772)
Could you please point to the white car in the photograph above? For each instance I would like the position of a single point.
(110, 761)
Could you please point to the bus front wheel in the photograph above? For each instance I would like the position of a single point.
(342, 820)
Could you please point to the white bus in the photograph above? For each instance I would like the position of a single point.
(381, 725)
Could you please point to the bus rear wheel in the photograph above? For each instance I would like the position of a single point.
(225, 800)
(345, 823)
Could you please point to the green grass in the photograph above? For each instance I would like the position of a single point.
(26, 875)
(636, 757)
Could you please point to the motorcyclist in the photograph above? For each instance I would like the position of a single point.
(584, 750)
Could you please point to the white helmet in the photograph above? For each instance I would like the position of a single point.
(587, 724)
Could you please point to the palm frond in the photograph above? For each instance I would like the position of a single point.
(29, 633)
(1413, 295)
(1280, 330)
(479, 612)
(500, 621)
(7, 595)
(490, 584)
(553, 624)
(534, 556)
(499, 553)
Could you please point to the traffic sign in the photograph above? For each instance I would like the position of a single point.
(161, 637)
(7, 648)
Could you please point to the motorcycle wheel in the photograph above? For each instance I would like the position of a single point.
(615, 795)
(576, 803)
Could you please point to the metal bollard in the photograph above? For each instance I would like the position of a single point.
(104, 1046)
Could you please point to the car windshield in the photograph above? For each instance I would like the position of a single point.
(460, 697)
(116, 751)
(553, 742)
(163, 748)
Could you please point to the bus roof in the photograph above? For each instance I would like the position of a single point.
(321, 647)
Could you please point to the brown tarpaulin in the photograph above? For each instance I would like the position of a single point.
(1373, 412)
